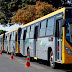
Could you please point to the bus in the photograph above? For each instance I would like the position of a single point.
(12, 41)
(49, 37)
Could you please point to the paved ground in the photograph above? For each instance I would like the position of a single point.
(17, 65)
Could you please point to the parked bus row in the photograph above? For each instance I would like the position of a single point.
(47, 38)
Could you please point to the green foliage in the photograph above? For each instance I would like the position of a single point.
(2, 17)
(1, 31)
(2, 20)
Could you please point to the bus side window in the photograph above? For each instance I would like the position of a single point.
(50, 26)
(6, 37)
(10, 37)
(43, 28)
(36, 32)
(13, 33)
(47, 23)
(59, 30)
(19, 33)
(32, 31)
(24, 35)
(28, 32)
(16, 36)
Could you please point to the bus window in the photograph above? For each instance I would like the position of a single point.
(10, 37)
(32, 31)
(59, 31)
(13, 33)
(28, 31)
(36, 33)
(16, 36)
(24, 35)
(3, 37)
(6, 37)
(43, 28)
(50, 26)
(19, 33)
(70, 32)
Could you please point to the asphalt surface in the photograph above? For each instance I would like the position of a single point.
(17, 65)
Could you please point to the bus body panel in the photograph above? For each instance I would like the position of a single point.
(42, 47)
(29, 43)
(6, 42)
(14, 42)
(22, 48)
(22, 41)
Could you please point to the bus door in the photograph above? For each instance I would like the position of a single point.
(24, 37)
(35, 39)
(59, 40)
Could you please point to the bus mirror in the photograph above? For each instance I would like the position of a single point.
(63, 22)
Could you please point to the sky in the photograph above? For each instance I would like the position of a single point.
(9, 28)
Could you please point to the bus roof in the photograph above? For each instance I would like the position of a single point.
(46, 16)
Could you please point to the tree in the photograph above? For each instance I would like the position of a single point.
(55, 3)
(2, 17)
(8, 7)
(1, 32)
(3, 11)
(32, 12)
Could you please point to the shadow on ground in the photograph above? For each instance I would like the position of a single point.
(66, 68)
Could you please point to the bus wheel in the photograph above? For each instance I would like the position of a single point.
(52, 63)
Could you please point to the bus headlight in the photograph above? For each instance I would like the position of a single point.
(68, 50)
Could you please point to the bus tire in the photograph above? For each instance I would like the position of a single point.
(52, 63)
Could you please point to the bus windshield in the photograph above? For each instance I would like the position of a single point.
(69, 30)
